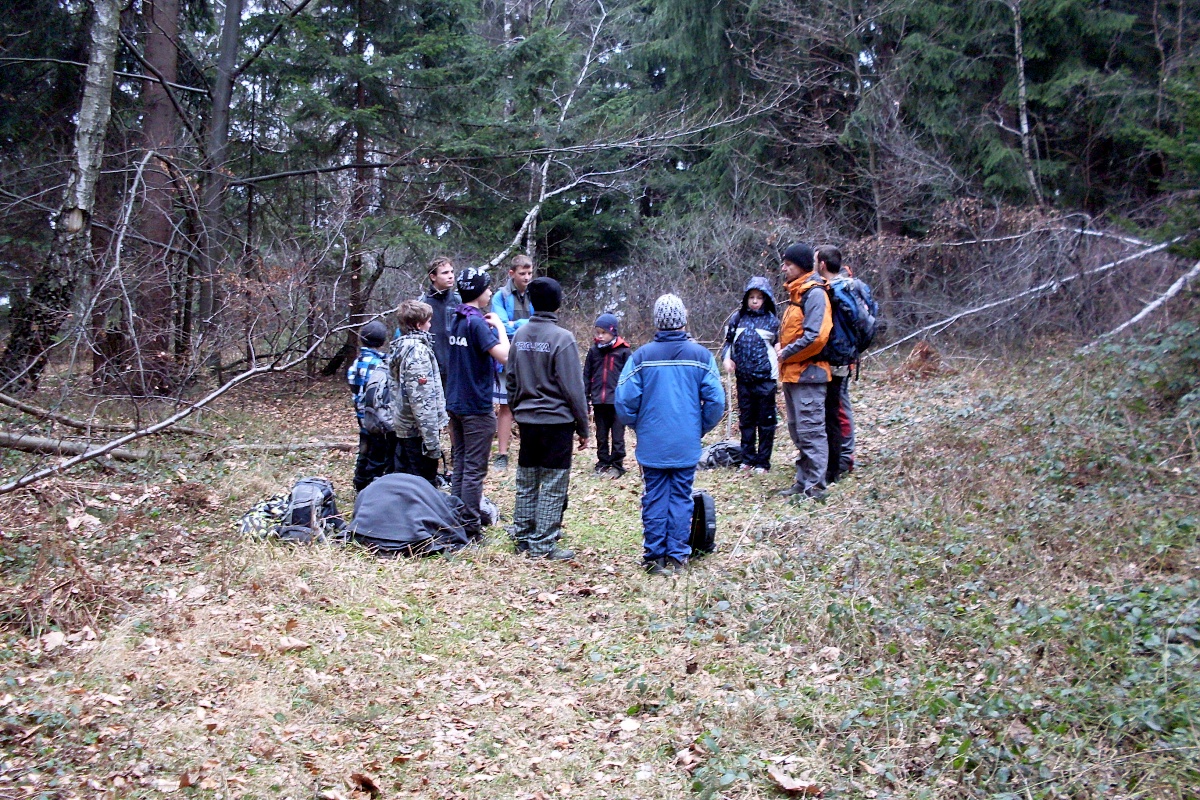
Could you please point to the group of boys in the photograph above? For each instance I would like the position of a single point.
(461, 348)
(766, 352)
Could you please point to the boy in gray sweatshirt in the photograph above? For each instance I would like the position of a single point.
(545, 392)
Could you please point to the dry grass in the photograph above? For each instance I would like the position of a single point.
(826, 639)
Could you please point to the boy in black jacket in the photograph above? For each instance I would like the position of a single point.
(749, 352)
(605, 360)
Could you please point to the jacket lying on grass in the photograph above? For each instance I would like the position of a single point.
(405, 514)
(670, 393)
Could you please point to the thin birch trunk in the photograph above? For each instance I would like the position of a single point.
(39, 317)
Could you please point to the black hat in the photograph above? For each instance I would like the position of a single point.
(799, 254)
(373, 334)
(473, 282)
(545, 294)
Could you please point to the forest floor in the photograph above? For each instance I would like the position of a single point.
(1002, 600)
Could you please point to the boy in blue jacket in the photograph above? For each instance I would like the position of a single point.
(670, 393)
(751, 334)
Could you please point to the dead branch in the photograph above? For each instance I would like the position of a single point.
(62, 419)
(295, 447)
(1150, 307)
(237, 380)
(62, 447)
(1051, 285)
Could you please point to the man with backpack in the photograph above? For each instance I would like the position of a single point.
(854, 324)
(803, 333)
(369, 383)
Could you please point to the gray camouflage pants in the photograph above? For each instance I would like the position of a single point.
(805, 404)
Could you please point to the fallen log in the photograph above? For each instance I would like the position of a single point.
(274, 449)
(80, 425)
(62, 447)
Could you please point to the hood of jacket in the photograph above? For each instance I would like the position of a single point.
(764, 286)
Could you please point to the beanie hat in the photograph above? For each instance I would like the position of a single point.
(669, 313)
(545, 294)
(373, 334)
(608, 322)
(473, 282)
(799, 254)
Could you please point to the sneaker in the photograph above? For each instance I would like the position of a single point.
(744, 468)
(674, 566)
(760, 470)
(791, 491)
(613, 472)
(500, 462)
(816, 494)
(555, 554)
(520, 546)
(654, 566)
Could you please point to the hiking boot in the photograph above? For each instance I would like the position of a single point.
(520, 546)
(815, 494)
(556, 554)
(674, 566)
(500, 462)
(600, 470)
(613, 472)
(654, 566)
(791, 491)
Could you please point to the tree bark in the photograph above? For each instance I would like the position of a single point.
(214, 187)
(39, 316)
(157, 224)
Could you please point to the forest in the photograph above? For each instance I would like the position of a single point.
(203, 202)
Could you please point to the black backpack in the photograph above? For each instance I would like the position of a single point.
(855, 322)
(704, 524)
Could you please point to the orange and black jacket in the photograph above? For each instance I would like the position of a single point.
(804, 331)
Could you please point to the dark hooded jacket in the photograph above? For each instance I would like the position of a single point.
(750, 337)
(603, 368)
(404, 513)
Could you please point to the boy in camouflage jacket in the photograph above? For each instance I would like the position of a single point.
(418, 403)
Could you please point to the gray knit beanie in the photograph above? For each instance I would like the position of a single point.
(669, 313)
(373, 334)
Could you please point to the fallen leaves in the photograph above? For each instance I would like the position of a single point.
(290, 644)
(791, 785)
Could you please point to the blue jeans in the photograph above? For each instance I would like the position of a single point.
(667, 513)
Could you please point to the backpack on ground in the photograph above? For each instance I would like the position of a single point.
(721, 454)
(855, 322)
(703, 538)
(311, 514)
(376, 400)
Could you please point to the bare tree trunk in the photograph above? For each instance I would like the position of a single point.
(1022, 104)
(218, 141)
(39, 316)
(152, 329)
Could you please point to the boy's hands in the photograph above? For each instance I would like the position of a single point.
(730, 366)
(583, 442)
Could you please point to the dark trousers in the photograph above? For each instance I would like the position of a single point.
(667, 513)
(376, 458)
(472, 437)
(837, 425)
(411, 459)
(608, 426)
(757, 419)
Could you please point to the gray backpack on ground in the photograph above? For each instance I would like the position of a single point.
(311, 515)
(721, 454)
